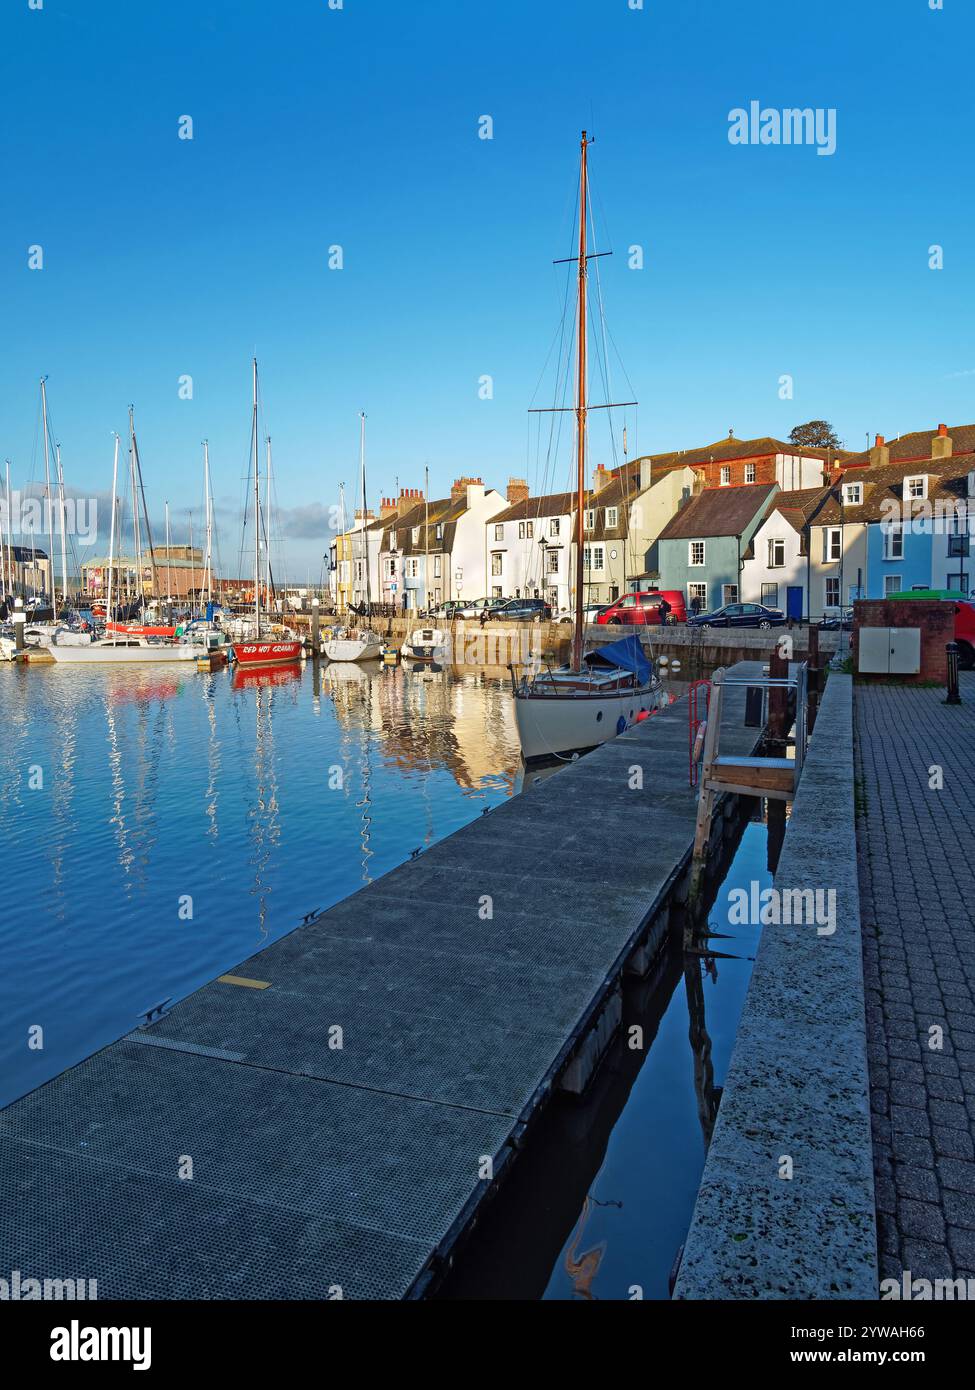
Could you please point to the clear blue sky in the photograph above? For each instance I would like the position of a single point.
(359, 127)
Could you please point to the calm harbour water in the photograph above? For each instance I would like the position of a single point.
(264, 797)
(261, 802)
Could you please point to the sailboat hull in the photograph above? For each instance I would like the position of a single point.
(366, 647)
(119, 655)
(557, 725)
(251, 654)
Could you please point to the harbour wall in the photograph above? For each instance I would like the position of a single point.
(786, 1203)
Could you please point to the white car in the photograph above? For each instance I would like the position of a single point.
(590, 611)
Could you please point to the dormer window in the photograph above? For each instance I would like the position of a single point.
(439, 532)
(612, 517)
(749, 472)
(590, 520)
(725, 475)
(916, 486)
(852, 494)
(415, 533)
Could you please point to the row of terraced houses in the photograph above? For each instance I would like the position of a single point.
(757, 520)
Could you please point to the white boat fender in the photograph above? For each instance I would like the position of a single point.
(702, 729)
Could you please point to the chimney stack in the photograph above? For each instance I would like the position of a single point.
(387, 508)
(941, 444)
(599, 478)
(517, 491)
(880, 453)
(459, 488)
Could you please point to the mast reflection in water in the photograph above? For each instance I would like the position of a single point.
(158, 830)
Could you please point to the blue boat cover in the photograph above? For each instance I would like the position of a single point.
(627, 655)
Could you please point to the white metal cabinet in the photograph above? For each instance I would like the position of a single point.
(890, 651)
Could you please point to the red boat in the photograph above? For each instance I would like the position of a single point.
(140, 630)
(267, 652)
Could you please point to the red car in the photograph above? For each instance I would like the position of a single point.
(644, 609)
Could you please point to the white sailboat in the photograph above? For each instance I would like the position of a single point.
(601, 692)
(358, 643)
(120, 648)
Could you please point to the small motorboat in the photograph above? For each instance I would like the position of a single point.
(427, 644)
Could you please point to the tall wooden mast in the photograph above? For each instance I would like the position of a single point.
(581, 411)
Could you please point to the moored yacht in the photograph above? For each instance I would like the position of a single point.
(603, 691)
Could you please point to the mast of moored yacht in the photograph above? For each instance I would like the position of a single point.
(257, 516)
(208, 562)
(365, 511)
(581, 412)
(267, 530)
(111, 539)
(61, 510)
(47, 489)
(169, 561)
(10, 528)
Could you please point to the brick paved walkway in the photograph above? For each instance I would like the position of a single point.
(916, 853)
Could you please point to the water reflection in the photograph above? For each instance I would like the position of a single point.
(256, 795)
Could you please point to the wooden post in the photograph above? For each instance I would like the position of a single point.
(815, 677)
(778, 703)
(705, 802)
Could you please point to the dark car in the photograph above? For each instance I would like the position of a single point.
(739, 615)
(517, 609)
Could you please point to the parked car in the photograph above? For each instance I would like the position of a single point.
(475, 607)
(739, 615)
(590, 613)
(965, 634)
(645, 608)
(451, 608)
(517, 609)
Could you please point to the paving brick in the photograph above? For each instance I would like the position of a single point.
(918, 915)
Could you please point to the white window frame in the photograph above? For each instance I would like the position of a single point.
(831, 534)
(893, 584)
(832, 581)
(612, 518)
(436, 566)
(498, 531)
(918, 480)
(749, 472)
(497, 563)
(697, 588)
(415, 534)
(774, 542)
(553, 526)
(725, 475)
(551, 561)
(893, 540)
(591, 553)
(691, 562)
(852, 494)
(589, 519)
(729, 594)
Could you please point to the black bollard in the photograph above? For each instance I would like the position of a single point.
(316, 648)
(953, 697)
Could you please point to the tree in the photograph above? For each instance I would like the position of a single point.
(815, 434)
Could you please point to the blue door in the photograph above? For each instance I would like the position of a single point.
(793, 601)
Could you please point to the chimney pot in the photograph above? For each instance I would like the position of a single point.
(942, 429)
(879, 442)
